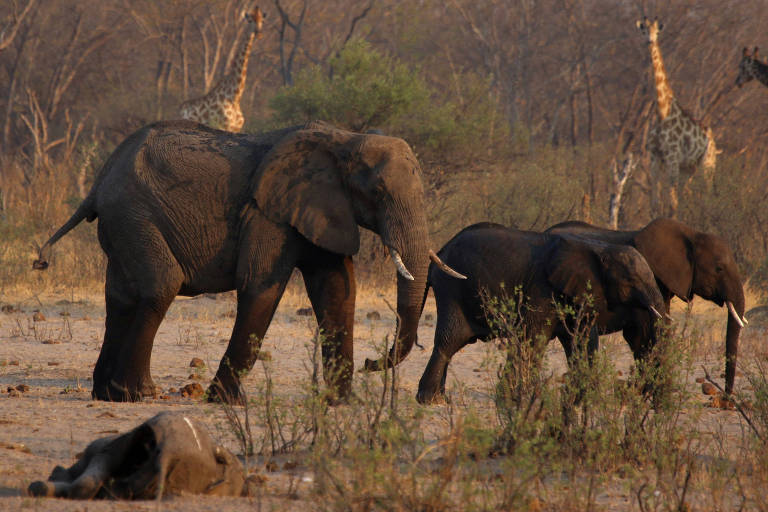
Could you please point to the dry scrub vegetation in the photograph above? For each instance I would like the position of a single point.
(517, 110)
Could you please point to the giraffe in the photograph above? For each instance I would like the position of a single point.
(220, 107)
(677, 143)
(750, 67)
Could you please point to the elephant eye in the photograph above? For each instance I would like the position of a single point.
(718, 269)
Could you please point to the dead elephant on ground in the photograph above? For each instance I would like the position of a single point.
(168, 454)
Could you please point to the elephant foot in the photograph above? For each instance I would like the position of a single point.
(431, 398)
(219, 392)
(116, 392)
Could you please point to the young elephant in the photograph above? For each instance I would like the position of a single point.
(547, 268)
(167, 454)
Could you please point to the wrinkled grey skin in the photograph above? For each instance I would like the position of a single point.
(685, 262)
(168, 454)
(546, 268)
(185, 209)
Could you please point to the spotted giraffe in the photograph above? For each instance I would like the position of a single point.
(677, 143)
(750, 68)
(220, 107)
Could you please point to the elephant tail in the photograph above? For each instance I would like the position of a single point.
(86, 211)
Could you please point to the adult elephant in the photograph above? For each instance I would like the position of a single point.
(185, 209)
(547, 269)
(685, 262)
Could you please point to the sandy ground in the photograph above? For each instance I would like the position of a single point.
(55, 418)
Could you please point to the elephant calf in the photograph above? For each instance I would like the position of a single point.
(167, 454)
(547, 268)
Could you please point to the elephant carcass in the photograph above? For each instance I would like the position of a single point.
(168, 454)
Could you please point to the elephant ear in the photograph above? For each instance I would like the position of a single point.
(668, 251)
(574, 269)
(300, 182)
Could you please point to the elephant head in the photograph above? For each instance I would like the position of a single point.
(688, 262)
(167, 454)
(325, 182)
(614, 275)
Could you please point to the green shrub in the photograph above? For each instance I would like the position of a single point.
(363, 88)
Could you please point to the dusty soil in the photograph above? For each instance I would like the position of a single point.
(51, 343)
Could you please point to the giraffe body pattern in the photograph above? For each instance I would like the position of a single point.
(220, 107)
(677, 143)
(750, 68)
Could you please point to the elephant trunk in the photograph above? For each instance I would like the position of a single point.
(409, 247)
(736, 298)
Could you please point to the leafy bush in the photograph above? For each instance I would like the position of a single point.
(363, 88)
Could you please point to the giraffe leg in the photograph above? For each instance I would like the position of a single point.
(672, 184)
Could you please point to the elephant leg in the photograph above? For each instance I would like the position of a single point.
(452, 333)
(570, 349)
(330, 284)
(120, 315)
(256, 306)
(130, 377)
(136, 307)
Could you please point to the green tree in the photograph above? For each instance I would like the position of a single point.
(363, 88)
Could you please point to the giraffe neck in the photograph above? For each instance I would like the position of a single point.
(664, 95)
(240, 66)
(232, 85)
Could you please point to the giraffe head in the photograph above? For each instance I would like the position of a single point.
(747, 66)
(256, 16)
(650, 29)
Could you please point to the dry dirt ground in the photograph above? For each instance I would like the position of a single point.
(55, 418)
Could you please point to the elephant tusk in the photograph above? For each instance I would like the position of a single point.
(734, 314)
(442, 266)
(400, 265)
(653, 310)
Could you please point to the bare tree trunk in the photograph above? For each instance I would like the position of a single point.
(286, 63)
(620, 177)
(11, 96)
(9, 31)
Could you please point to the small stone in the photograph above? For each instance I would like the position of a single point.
(51, 342)
(196, 362)
(619, 374)
(195, 376)
(535, 505)
(22, 387)
(252, 484)
(53, 363)
(709, 389)
(373, 315)
(263, 355)
(7, 308)
(163, 396)
(476, 370)
(13, 393)
(38, 317)
(304, 312)
(193, 390)
(719, 402)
